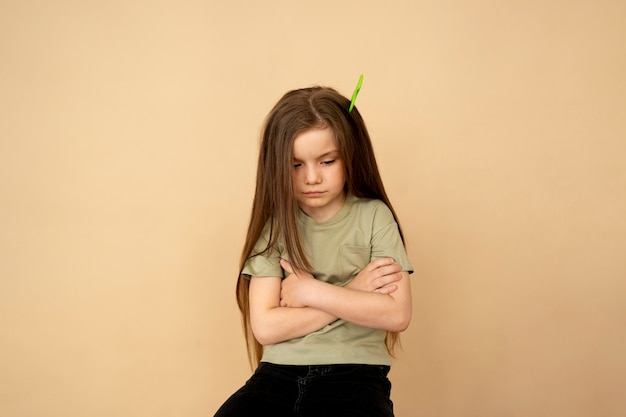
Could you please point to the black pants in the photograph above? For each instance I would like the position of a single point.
(312, 391)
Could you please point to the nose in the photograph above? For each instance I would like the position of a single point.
(312, 176)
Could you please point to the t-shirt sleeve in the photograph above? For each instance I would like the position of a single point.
(266, 263)
(386, 240)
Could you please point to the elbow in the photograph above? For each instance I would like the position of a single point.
(400, 322)
(400, 326)
(263, 340)
(264, 335)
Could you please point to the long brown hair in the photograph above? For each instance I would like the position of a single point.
(274, 203)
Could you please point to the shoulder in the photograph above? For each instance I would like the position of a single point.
(374, 212)
(265, 231)
(371, 206)
(266, 237)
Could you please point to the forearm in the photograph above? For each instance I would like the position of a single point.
(272, 323)
(279, 324)
(379, 311)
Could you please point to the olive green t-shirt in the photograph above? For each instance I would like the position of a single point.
(338, 249)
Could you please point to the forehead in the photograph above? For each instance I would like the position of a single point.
(314, 142)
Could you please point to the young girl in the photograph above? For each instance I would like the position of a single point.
(324, 285)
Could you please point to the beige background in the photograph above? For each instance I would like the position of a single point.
(128, 145)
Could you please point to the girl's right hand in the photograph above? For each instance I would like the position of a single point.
(378, 276)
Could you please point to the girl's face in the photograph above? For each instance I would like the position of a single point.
(318, 174)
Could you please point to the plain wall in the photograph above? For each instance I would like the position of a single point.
(128, 142)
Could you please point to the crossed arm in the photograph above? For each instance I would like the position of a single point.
(378, 297)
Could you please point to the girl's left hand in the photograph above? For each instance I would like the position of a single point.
(293, 289)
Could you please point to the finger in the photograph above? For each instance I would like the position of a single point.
(393, 269)
(389, 278)
(387, 289)
(380, 262)
(286, 266)
(281, 301)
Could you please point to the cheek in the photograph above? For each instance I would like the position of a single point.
(341, 175)
(295, 178)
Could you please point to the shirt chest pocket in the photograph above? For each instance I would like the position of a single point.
(353, 259)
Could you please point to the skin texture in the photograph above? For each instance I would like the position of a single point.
(369, 309)
(318, 174)
(378, 297)
(274, 321)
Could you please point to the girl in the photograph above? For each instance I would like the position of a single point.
(324, 283)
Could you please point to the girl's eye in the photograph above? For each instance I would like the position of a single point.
(329, 162)
(297, 165)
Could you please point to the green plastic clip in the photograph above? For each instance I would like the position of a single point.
(356, 93)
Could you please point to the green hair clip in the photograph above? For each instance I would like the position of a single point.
(356, 93)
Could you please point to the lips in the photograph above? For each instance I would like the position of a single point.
(313, 193)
